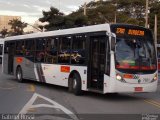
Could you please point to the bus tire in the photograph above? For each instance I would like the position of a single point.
(75, 84)
(70, 85)
(19, 74)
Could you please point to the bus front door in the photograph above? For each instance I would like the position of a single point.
(97, 58)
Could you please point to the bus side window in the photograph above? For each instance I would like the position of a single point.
(30, 49)
(20, 48)
(51, 50)
(64, 50)
(40, 49)
(78, 49)
(6, 47)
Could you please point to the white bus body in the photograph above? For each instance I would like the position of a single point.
(98, 71)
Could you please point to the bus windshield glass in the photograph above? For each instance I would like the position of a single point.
(135, 52)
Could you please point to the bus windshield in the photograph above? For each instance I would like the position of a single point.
(135, 54)
(135, 51)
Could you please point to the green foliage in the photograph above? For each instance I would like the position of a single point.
(155, 10)
(54, 17)
(57, 20)
(17, 27)
(126, 11)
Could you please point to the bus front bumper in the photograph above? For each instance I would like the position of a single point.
(121, 87)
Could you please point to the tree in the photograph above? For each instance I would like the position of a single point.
(54, 17)
(126, 11)
(155, 9)
(97, 12)
(77, 20)
(17, 26)
(57, 20)
(4, 32)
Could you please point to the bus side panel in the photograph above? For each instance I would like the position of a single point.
(59, 74)
(5, 63)
(27, 67)
(82, 70)
(109, 81)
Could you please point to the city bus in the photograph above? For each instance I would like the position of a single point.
(1, 50)
(105, 58)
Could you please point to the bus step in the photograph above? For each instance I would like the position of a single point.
(95, 90)
(95, 80)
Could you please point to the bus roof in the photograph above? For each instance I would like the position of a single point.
(86, 29)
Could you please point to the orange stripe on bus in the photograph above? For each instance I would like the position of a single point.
(65, 69)
(19, 60)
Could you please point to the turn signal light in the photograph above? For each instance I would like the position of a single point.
(128, 76)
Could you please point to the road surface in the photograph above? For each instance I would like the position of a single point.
(43, 101)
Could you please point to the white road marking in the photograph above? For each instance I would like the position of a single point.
(55, 105)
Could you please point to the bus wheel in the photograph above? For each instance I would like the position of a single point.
(19, 75)
(76, 84)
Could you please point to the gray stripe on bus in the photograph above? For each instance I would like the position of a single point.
(39, 74)
(42, 74)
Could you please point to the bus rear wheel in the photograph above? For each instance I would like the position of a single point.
(19, 75)
(75, 84)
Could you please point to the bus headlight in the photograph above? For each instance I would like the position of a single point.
(118, 77)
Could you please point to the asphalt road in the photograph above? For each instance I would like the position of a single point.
(49, 102)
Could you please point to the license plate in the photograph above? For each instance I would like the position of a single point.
(138, 89)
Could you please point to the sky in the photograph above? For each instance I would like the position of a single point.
(31, 10)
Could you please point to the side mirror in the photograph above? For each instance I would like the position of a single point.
(113, 43)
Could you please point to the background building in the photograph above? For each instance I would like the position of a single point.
(4, 20)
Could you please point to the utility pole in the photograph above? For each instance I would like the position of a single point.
(115, 17)
(155, 31)
(146, 19)
(85, 9)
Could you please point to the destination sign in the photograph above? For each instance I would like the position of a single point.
(132, 32)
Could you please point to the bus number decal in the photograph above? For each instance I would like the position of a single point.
(19, 60)
(65, 69)
(120, 31)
